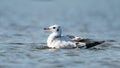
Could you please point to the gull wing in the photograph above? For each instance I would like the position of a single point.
(89, 42)
(75, 38)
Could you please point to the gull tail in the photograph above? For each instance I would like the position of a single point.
(92, 44)
(88, 44)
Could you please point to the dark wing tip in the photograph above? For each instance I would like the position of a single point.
(92, 44)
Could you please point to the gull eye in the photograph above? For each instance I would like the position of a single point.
(54, 27)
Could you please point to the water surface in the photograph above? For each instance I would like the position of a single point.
(22, 34)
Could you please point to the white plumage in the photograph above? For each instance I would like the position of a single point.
(56, 40)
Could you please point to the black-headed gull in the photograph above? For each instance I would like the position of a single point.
(56, 40)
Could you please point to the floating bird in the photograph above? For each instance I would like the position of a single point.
(56, 40)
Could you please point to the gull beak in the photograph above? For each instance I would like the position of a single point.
(46, 28)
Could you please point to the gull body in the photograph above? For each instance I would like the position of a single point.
(56, 40)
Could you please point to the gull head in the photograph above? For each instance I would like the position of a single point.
(53, 28)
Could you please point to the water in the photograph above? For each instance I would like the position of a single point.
(22, 34)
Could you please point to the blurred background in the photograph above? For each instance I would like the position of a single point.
(22, 21)
(78, 17)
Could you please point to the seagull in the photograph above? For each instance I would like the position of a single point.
(56, 40)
